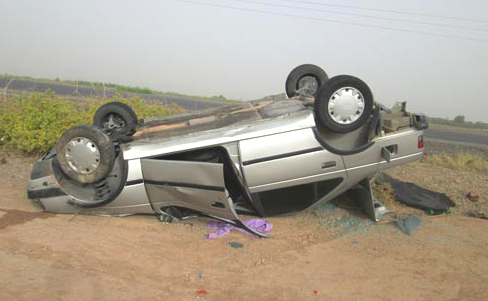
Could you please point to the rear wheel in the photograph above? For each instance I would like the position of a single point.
(305, 80)
(117, 119)
(85, 153)
(343, 103)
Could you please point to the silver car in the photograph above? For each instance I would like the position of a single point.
(261, 158)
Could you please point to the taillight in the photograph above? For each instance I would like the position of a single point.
(420, 143)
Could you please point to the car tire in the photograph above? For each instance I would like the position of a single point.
(305, 74)
(343, 103)
(85, 153)
(117, 119)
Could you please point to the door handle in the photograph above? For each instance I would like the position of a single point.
(329, 164)
(388, 152)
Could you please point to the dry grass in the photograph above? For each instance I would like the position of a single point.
(462, 161)
(384, 193)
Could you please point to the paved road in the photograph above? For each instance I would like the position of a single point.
(61, 89)
(456, 136)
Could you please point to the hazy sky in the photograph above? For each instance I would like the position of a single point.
(206, 50)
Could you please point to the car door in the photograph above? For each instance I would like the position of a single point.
(287, 159)
(189, 184)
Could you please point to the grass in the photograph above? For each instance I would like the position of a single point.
(117, 87)
(384, 193)
(458, 129)
(462, 161)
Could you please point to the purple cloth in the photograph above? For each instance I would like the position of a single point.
(223, 229)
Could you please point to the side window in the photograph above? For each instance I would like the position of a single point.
(295, 198)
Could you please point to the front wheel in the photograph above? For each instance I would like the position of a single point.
(343, 103)
(85, 153)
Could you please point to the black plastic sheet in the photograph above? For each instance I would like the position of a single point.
(416, 196)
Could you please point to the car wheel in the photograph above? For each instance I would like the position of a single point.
(343, 103)
(85, 153)
(117, 119)
(305, 80)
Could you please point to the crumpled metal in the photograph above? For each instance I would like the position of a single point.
(223, 229)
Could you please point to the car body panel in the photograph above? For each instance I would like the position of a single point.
(151, 146)
(132, 200)
(275, 161)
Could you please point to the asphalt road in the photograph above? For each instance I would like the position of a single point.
(456, 136)
(62, 89)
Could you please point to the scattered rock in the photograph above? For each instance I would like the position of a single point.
(236, 245)
(472, 197)
(475, 214)
(411, 224)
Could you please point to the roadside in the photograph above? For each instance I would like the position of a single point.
(324, 254)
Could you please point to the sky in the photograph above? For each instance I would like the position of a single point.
(188, 47)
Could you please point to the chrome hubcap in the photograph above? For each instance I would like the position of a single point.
(308, 85)
(82, 155)
(346, 105)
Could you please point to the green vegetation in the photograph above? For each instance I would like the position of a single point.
(117, 87)
(32, 122)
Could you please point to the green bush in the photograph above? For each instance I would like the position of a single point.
(32, 122)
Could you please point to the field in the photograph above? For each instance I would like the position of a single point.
(328, 253)
(325, 254)
(88, 88)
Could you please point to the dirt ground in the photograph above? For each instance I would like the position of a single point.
(325, 254)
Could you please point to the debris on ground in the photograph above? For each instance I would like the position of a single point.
(222, 228)
(416, 196)
(411, 224)
(202, 292)
(434, 212)
(477, 214)
(341, 218)
(236, 245)
(472, 197)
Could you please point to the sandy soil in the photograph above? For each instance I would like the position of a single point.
(326, 254)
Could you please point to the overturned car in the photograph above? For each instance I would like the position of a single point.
(257, 158)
